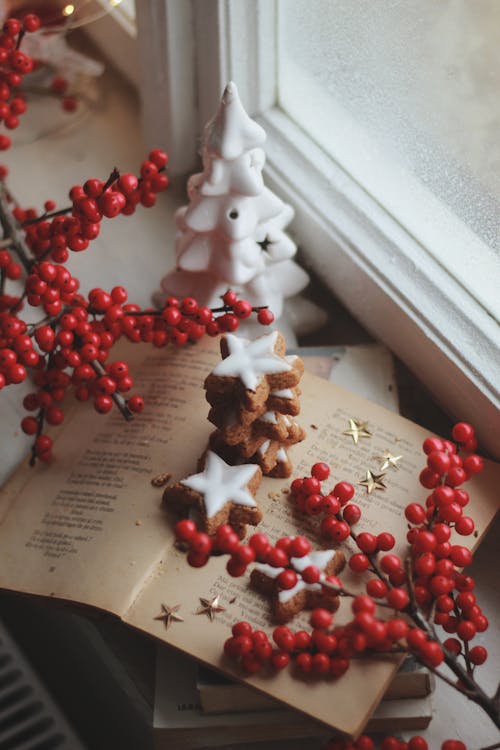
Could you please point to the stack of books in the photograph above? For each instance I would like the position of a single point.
(197, 707)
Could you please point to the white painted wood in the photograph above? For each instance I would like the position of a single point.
(166, 54)
(387, 280)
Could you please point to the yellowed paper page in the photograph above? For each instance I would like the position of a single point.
(88, 528)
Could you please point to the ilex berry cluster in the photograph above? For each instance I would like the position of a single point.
(70, 346)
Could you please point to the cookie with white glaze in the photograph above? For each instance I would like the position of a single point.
(286, 603)
(221, 493)
(250, 370)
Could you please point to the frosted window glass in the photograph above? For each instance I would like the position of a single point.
(405, 95)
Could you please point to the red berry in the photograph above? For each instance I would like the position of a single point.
(385, 541)
(462, 432)
(417, 743)
(321, 618)
(478, 655)
(185, 530)
(376, 588)
(242, 309)
(235, 568)
(359, 563)
(438, 461)
(158, 157)
(299, 546)
(330, 505)
(200, 543)
(397, 629)
(363, 603)
(390, 563)
(311, 574)
(260, 544)
(303, 662)
(311, 486)
(453, 745)
(302, 640)
(320, 470)
(397, 598)
(466, 630)
(344, 491)
(241, 628)
(135, 403)
(429, 479)
(366, 542)
(473, 464)
(351, 513)
(284, 638)
(265, 317)
(287, 579)
(31, 22)
(432, 653)
(277, 558)
(280, 659)
(460, 556)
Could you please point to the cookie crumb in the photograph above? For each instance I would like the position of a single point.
(232, 601)
(138, 522)
(314, 427)
(160, 480)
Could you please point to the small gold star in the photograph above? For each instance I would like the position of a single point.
(357, 429)
(209, 607)
(373, 482)
(169, 616)
(387, 460)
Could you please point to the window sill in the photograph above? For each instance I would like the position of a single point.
(387, 279)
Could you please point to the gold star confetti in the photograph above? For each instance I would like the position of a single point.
(168, 615)
(387, 460)
(357, 429)
(209, 607)
(373, 482)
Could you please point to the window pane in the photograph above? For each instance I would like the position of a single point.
(405, 96)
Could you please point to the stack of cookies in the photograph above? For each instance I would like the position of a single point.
(254, 396)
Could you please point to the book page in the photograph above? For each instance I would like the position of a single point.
(88, 528)
(325, 412)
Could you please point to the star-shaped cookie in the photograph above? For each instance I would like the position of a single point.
(288, 602)
(222, 493)
(249, 370)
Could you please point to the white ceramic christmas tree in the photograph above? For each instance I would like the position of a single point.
(231, 234)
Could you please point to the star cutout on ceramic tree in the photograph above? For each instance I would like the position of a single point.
(210, 607)
(357, 429)
(168, 615)
(373, 482)
(388, 461)
(250, 360)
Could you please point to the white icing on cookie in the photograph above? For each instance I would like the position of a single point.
(282, 393)
(286, 421)
(250, 360)
(220, 483)
(269, 416)
(319, 558)
(282, 456)
(262, 450)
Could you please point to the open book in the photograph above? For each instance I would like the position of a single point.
(90, 529)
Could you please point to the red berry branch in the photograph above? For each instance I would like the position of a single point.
(70, 345)
(409, 601)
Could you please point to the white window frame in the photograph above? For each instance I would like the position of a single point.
(389, 281)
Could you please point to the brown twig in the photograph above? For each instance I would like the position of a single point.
(117, 397)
